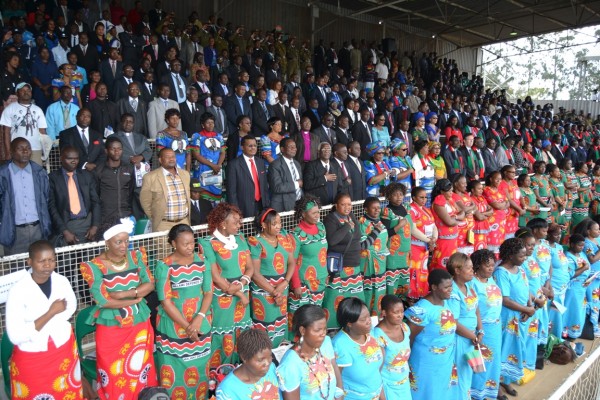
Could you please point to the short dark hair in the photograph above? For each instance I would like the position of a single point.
(110, 140)
(39, 246)
(251, 342)
(305, 316)
(177, 230)
(349, 310)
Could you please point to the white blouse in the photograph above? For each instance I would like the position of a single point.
(26, 302)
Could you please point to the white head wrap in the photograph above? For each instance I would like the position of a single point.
(126, 226)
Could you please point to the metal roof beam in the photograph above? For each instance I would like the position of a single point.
(489, 18)
(368, 10)
(534, 12)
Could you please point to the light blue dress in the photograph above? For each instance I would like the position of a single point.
(395, 371)
(382, 135)
(560, 282)
(541, 253)
(516, 287)
(268, 146)
(210, 145)
(485, 385)
(534, 278)
(464, 308)
(315, 377)
(267, 388)
(360, 364)
(403, 163)
(590, 248)
(433, 350)
(575, 299)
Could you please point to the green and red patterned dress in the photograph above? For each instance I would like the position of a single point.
(557, 186)
(266, 314)
(230, 316)
(374, 252)
(181, 362)
(124, 336)
(396, 274)
(542, 185)
(570, 178)
(311, 264)
(581, 204)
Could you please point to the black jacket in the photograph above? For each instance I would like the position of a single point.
(340, 238)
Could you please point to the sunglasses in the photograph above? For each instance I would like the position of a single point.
(403, 149)
(380, 153)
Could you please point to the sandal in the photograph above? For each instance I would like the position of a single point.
(502, 397)
(509, 390)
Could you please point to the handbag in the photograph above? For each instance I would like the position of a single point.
(335, 260)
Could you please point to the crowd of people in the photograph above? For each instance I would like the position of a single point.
(481, 194)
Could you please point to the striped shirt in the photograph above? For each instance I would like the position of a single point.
(177, 207)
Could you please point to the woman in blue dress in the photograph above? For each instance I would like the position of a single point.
(173, 138)
(66, 78)
(463, 303)
(308, 370)
(378, 171)
(400, 160)
(560, 278)
(485, 385)
(393, 336)
(379, 132)
(255, 378)
(575, 299)
(590, 230)
(42, 71)
(534, 281)
(268, 144)
(208, 152)
(541, 253)
(357, 352)
(517, 310)
(433, 339)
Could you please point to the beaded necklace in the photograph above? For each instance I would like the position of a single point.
(318, 358)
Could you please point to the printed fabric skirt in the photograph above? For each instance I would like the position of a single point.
(485, 385)
(418, 271)
(347, 283)
(125, 360)
(51, 374)
(306, 297)
(444, 248)
(396, 274)
(374, 267)
(265, 312)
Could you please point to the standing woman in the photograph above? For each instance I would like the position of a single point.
(452, 129)
(400, 160)
(517, 309)
(173, 138)
(439, 166)
(424, 172)
(528, 200)
(447, 217)
(343, 236)
(119, 279)
(393, 336)
(581, 204)
(228, 256)
(571, 186)
(208, 152)
(541, 253)
(374, 240)
(464, 305)
(424, 236)
(378, 171)
(558, 190)
(379, 132)
(485, 384)
(357, 352)
(513, 195)
(590, 230)
(432, 340)
(419, 132)
(541, 187)
(465, 203)
(274, 266)
(310, 244)
(184, 288)
(308, 370)
(575, 299)
(433, 131)
(269, 143)
(44, 360)
(398, 223)
(481, 215)
(560, 277)
(498, 201)
(66, 78)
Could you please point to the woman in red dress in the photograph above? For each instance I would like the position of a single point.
(481, 216)
(424, 236)
(497, 199)
(448, 217)
(511, 190)
(465, 203)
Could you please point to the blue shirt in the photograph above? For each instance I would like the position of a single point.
(82, 213)
(25, 207)
(232, 388)
(55, 118)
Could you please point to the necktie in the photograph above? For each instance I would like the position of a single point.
(166, 103)
(264, 107)
(297, 116)
(179, 88)
(134, 104)
(84, 139)
(114, 67)
(295, 178)
(391, 123)
(155, 47)
(255, 179)
(84, 48)
(196, 205)
(221, 118)
(149, 87)
(193, 108)
(74, 204)
(344, 172)
(66, 119)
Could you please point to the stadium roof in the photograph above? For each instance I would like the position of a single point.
(468, 23)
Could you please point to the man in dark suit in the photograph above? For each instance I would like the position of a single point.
(237, 105)
(131, 45)
(244, 126)
(135, 146)
(342, 132)
(87, 55)
(356, 171)
(154, 50)
(203, 89)
(156, 14)
(216, 109)
(313, 113)
(88, 142)
(222, 87)
(73, 203)
(272, 74)
(105, 113)
(191, 112)
(261, 113)
(111, 70)
(284, 113)
(135, 106)
(340, 155)
(148, 87)
(121, 85)
(247, 180)
(256, 70)
(489, 156)
(176, 82)
(361, 132)
(321, 95)
(453, 157)
(322, 177)
(326, 132)
(199, 207)
(285, 177)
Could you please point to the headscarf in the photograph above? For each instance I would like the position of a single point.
(396, 143)
(429, 116)
(372, 148)
(418, 115)
(545, 143)
(126, 226)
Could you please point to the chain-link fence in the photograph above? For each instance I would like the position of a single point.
(584, 382)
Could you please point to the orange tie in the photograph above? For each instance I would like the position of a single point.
(255, 178)
(73, 195)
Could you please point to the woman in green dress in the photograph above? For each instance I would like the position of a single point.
(374, 241)
(557, 187)
(581, 204)
(228, 257)
(541, 188)
(310, 251)
(528, 200)
(184, 288)
(397, 220)
(274, 266)
(571, 186)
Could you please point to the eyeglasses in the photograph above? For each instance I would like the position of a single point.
(403, 149)
(380, 153)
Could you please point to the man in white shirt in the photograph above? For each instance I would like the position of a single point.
(60, 52)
